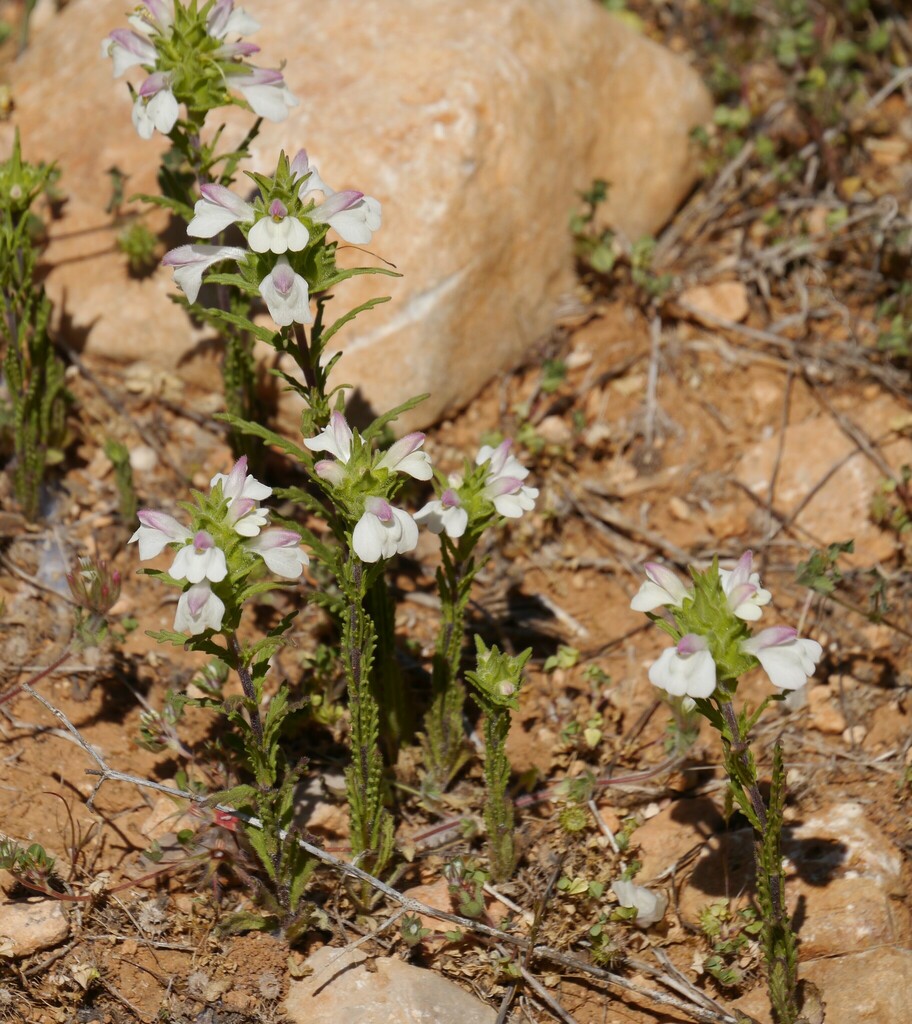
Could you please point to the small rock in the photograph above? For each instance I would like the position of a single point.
(679, 509)
(825, 715)
(555, 430)
(674, 832)
(855, 735)
(723, 300)
(344, 989)
(143, 458)
(30, 925)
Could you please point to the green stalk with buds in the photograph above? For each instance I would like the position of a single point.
(496, 682)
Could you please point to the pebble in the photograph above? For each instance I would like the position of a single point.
(27, 926)
(825, 716)
(143, 458)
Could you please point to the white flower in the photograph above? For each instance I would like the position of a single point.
(128, 50)
(158, 16)
(650, 906)
(277, 232)
(687, 670)
(352, 215)
(662, 587)
(200, 560)
(336, 438)
(285, 294)
(404, 457)
(265, 91)
(198, 609)
(510, 497)
(156, 532)
(303, 171)
(788, 661)
(504, 483)
(190, 262)
(244, 492)
(281, 551)
(444, 515)
(218, 208)
(239, 484)
(742, 588)
(331, 472)
(155, 108)
(383, 531)
(224, 19)
(502, 462)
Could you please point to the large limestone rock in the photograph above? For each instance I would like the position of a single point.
(474, 123)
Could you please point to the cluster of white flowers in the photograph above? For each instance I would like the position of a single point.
(155, 106)
(201, 562)
(353, 215)
(688, 669)
(384, 530)
(503, 487)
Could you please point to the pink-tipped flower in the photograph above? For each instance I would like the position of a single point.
(787, 660)
(383, 531)
(662, 587)
(156, 531)
(746, 597)
(352, 215)
(225, 19)
(504, 486)
(286, 295)
(198, 609)
(281, 551)
(509, 496)
(265, 91)
(277, 232)
(244, 492)
(218, 208)
(335, 438)
(155, 107)
(445, 515)
(153, 16)
(331, 472)
(200, 560)
(404, 457)
(190, 262)
(305, 173)
(128, 50)
(240, 484)
(687, 670)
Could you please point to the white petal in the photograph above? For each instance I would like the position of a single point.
(369, 538)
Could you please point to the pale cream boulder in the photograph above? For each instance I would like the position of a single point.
(475, 124)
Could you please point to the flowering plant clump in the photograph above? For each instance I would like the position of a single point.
(224, 546)
(286, 259)
(193, 55)
(714, 646)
